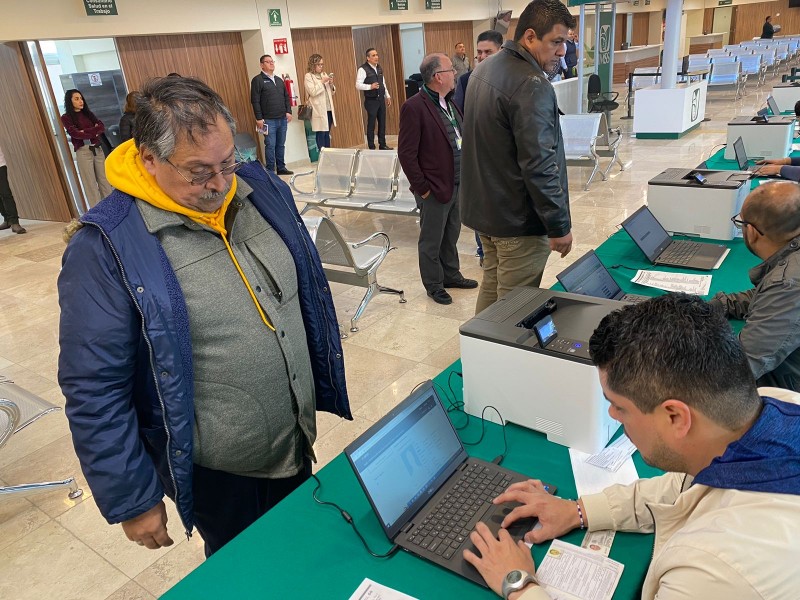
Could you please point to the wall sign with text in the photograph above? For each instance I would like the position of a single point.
(100, 8)
(433, 4)
(274, 15)
(281, 46)
(398, 4)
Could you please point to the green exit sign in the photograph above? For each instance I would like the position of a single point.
(274, 17)
(433, 4)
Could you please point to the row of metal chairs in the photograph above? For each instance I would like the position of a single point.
(587, 138)
(369, 180)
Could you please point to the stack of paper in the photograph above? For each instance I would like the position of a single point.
(571, 573)
(674, 282)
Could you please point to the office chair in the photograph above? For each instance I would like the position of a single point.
(600, 102)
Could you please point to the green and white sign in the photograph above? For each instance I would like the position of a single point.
(100, 8)
(433, 4)
(274, 17)
(724, 2)
(398, 4)
(605, 49)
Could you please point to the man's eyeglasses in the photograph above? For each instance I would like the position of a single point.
(206, 177)
(446, 71)
(740, 223)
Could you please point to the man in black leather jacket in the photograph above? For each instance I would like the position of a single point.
(513, 171)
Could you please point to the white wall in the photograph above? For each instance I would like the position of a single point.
(412, 45)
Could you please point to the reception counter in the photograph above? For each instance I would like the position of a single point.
(625, 61)
(670, 113)
(700, 44)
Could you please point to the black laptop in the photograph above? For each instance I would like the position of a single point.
(426, 492)
(660, 249)
(743, 163)
(589, 277)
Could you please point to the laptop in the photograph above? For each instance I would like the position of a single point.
(660, 249)
(744, 164)
(588, 276)
(426, 492)
(773, 106)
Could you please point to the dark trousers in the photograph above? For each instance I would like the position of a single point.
(376, 109)
(439, 227)
(8, 208)
(227, 504)
(324, 137)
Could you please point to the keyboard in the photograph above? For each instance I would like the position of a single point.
(449, 524)
(680, 253)
(635, 298)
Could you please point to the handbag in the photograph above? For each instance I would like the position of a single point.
(304, 112)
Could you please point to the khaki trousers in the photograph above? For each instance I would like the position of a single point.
(509, 263)
(92, 171)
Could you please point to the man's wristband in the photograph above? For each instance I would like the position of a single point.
(580, 514)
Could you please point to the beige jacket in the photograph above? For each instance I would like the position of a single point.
(710, 543)
(316, 93)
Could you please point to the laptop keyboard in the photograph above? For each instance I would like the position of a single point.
(449, 524)
(680, 253)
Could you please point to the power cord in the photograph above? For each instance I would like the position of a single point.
(621, 266)
(346, 516)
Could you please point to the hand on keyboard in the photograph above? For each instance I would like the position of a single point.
(498, 556)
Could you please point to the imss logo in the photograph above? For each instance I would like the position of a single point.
(604, 53)
(695, 105)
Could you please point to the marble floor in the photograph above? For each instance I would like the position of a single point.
(54, 547)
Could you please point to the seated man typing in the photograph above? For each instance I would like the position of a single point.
(725, 514)
(770, 223)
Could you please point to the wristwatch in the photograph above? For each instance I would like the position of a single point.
(515, 581)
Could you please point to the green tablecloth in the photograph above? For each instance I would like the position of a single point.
(718, 162)
(300, 549)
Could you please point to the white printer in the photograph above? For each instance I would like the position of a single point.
(786, 94)
(554, 388)
(682, 204)
(763, 137)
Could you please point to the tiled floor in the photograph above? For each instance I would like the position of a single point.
(53, 547)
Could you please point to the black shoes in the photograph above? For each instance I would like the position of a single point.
(285, 172)
(440, 296)
(384, 148)
(464, 284)
(15, 227)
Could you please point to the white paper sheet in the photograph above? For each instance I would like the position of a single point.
(612, 457)
(569, 573)
(592, 480)
(372, 590)
(674, 282)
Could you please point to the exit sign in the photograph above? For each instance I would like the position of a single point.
(274, 17)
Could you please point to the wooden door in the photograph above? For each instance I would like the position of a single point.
(34, 173)
(387, 43)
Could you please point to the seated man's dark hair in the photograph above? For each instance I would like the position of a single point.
(491, 36)
(676, 347)
(542, 16)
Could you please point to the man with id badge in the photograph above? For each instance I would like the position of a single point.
(429, 149)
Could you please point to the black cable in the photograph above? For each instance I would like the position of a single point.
(714, 149)
(621, 266)
(346, 516)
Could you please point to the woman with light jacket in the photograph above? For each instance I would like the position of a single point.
(319, 94)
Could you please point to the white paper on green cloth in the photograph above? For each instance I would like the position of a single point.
(592, 480)
(372, 590)
(674, 282)
(572, 573)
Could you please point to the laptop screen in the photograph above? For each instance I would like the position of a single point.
(647, 232)
(404, 458)
(589, 277)
(741, 154)
(773, 105)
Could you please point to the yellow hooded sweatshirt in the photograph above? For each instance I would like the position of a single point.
(125, 171)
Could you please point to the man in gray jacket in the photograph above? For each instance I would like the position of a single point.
(514, 175)
(770, 223)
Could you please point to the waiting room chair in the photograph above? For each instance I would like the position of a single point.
(580, 133)
(373, 181)
(247, 149)
(18, 409)
(599, 101)
(351, 263)
(403, 201)
(333, 177)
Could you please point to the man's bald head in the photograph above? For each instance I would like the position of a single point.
(774, 209)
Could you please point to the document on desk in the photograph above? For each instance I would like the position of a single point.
(572, 573)
(674, 282)
(612, 457)
(372, 590)
(590, 479)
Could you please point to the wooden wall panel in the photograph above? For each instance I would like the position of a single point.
(36, 181)
(641, 27)
(749, 19)
(216, 58)
(335, 44)
(708, 20)
(620, 29)
(621, 70)
(443, 37)
(381, 38)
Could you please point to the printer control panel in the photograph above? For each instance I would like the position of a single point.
(568, 346)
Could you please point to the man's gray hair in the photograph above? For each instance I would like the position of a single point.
(429, 65)
(170, 107)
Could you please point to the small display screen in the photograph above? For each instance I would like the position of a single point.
(545, 330)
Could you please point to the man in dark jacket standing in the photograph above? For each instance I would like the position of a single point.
(767, 31)
(271, 106)
(370, 81)
(429, 149)
(198, 334)
(514, 174)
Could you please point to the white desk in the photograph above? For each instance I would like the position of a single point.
(670, 113)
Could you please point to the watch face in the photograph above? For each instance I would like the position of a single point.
(514, 577)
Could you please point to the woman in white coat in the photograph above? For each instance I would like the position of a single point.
(319, 95)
